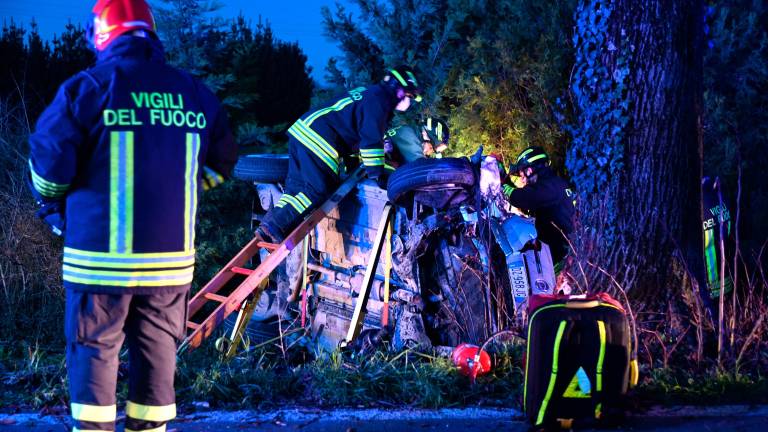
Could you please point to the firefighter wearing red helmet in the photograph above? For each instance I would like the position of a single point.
(116, 162)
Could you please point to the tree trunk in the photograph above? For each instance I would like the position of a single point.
(637, 150)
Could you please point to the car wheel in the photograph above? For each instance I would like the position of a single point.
(437, 183)
(262, 168)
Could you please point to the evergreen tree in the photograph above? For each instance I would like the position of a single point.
(735, 130)
(36, 64)
(264, 83)
(191, 36)
(71, 54)
(11, 48)
(492, 68)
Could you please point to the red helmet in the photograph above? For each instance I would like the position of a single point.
(111, 18)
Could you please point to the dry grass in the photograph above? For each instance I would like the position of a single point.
(31, 295)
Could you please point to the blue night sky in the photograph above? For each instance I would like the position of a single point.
(291, 20)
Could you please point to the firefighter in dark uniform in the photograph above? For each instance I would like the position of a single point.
(119, 156)
(428, 139)
(351, 124)
(544, 196)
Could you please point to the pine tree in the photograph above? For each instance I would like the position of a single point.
(264, 83)
(492, 68)
(735, 132)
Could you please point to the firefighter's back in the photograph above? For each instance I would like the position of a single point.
(131, 204)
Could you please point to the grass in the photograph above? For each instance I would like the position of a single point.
(709, 387)
(33, 379)
(677, 351)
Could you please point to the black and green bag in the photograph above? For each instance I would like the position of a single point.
(579, 361)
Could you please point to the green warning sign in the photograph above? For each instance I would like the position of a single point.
(579, 387)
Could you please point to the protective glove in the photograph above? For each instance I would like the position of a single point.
(52, 213)
(477, 157)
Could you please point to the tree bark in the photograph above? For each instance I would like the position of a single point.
(645, 214)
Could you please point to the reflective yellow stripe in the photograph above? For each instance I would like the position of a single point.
(121, 191)
(140, 278)
(114, 260)
(136, 255)
(371, 162)
(314, 148)
(304, 200)
(174, 272)
(600, 359)
(131, 265)
(634, 373)
(338, 106)
(45, 187)
(211, 178)
(318, 139)
(94, 413)
(553, 376)
(399, 77)
(523, 154)
(601, 356)
(190, 188)
(293, 202)
(372, 152)
(150, 412)
(129, 283)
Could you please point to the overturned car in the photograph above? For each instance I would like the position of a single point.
(457, 264)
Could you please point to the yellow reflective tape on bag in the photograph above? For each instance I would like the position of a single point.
(553, 377)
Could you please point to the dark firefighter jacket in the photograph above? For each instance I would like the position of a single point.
(404, 144)
(549, 200)
(127, 144)
(355, 122)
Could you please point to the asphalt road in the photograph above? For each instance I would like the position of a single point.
(471, 420)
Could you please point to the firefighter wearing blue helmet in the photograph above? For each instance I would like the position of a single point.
(116, 162)
(352, 124)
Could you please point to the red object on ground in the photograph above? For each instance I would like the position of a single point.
(464, 357)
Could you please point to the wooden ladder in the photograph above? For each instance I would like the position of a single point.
(253, 284)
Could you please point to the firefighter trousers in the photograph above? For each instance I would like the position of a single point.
(96, 325)
(309, 183)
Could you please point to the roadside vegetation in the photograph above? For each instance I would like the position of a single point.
(689, 353)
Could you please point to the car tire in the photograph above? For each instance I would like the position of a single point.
(435, 182)
(262, 168)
